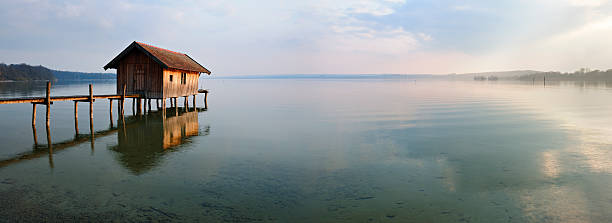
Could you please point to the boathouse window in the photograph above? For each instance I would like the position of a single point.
(183, 78)
(170, 78)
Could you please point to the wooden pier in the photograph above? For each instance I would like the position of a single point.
(91, 98)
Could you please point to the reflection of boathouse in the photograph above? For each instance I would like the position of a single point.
(142, 144)
(141, 140)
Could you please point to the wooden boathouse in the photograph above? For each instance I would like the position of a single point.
(156, 73)
(144, 72)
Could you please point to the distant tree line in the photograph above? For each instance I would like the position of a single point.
(483, 78)
(584, 74)
(24, 72)
(71, 75)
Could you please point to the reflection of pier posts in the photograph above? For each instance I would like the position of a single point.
(50, 145)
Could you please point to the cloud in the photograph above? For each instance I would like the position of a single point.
(273, 36)
(587, 3)
(349, 7)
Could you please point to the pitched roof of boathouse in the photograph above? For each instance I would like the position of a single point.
(165, 58)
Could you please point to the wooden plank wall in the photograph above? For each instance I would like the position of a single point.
(152, 79)
(176, 88)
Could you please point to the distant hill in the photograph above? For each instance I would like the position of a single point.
(24, 72)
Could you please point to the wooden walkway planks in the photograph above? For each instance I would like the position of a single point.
(62, 98)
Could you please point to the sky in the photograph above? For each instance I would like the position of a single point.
(242, 37)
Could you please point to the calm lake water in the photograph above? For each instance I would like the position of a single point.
(317, 150)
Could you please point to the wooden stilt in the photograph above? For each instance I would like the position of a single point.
(149, 104)
(139, 106)
(34, 134)
(110, 112)
(76, 118)
(205, 102)
(33, 114)
(175, 107)
(91, 128)
(48, 101)
(163, 108)
(123, 101)
(133, 104)
(91, 100)
(194, 103)
(119, 108)
(186, 104)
